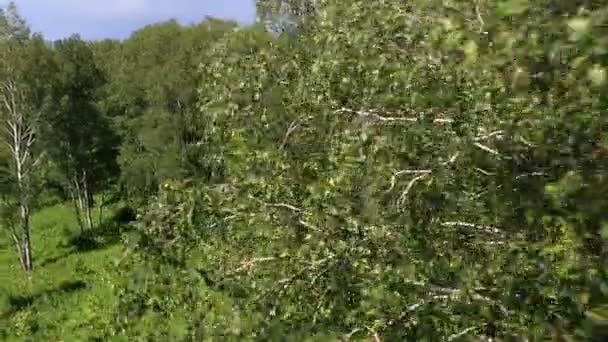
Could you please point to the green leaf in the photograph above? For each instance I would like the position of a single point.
(513, 7)
(597, 75)
(579, 26)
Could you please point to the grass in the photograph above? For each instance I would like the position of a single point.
(69, 295)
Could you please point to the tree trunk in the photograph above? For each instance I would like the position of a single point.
(101, 205)
(22, 184)
(28, 263)
(87, 200)
(77, 201)
(26, 244)
(20, 139)
(17, 241)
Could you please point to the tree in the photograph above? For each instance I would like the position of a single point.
(282, 16)
(84, 145)
(23, 65)
(12, 25)
(21, 114)
(403, 171)
(21, 137)
(151, 97)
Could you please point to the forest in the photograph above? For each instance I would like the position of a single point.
(422, 170)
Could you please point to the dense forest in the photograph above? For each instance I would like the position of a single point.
(423, 170)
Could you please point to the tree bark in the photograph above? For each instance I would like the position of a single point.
(21, 137)
(28, 263)
(87, 200)
(101, 205)
(77, 201)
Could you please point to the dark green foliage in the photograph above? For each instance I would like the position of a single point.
(152, 98)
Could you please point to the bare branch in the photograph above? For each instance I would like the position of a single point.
(308, 225)
(350, 334)
(374, 334)
(292, 127)
(532, 174)
(487, 149)
(487, 229)
(460, 334)
(479, 17)
(498, 134)
(283, 205)
(484, 172)
(375, 114)
(409, 187)
(247, 265)
(452, 159)
(222, 220)
(405, 172)
(526, 142)
(278, 205)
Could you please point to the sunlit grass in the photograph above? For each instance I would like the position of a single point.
(68, 297)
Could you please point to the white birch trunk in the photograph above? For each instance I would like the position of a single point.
(20, 138)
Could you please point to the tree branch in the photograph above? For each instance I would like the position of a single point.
(375, 114)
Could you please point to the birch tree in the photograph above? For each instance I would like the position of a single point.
(19, 118)
(20, 138)
(26, 73)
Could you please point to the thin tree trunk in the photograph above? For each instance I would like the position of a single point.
(87, 200)
(21, 137)
(26, 245)
(19, 250)
(28, 263)
(101, 205)
(76, 200)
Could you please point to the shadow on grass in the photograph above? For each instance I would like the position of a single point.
(97, 238)
(17, 303)
(52, 260)
(103, 236)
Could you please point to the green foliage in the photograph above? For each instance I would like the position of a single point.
(81, 137)
(77, 139)
(422, 170)
(416, 171)
(151, 95)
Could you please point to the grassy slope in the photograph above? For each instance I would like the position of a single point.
(69, 296)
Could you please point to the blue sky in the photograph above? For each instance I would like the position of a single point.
(95, 19)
